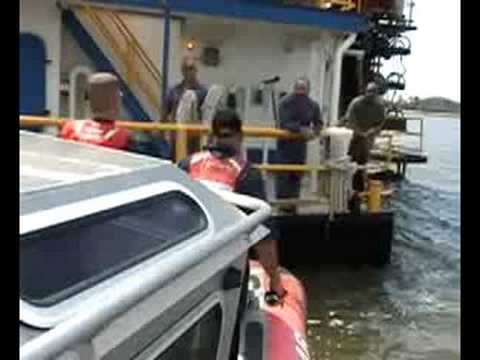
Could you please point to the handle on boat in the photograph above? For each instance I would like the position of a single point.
(246, 202)
(240, 200)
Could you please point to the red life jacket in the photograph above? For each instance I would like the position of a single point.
(227, 171)
(103, 133)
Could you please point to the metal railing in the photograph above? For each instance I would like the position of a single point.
(342, 5)
(419, 133)
(391, 149)
(194, 129)
(336, 173)
(138, 68)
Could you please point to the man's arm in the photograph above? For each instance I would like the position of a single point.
(351, 118)
(164, 115)
(251, 184)
(374, 131)
(317, 118)
(202, 94)
(167, 106)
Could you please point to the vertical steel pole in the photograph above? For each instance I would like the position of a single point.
(166, 46)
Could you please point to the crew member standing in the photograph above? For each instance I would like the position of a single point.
(366, 117)
(183, 102)
(300, 114)
(223, 164)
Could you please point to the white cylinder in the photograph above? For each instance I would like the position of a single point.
(337, 76)
(340, 138)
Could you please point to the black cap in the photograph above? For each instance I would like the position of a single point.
(226, 123)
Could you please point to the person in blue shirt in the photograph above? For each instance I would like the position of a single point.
(298, 113)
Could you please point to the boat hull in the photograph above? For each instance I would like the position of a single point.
(352, 239)
(274, 332)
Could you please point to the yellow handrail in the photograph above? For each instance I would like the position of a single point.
(122, 26)
(199, 130)
(194, 129)
(290, 168)
(133, 52)
(375, 188)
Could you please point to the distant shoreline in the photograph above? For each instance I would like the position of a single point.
(443, 114)
(435, 105)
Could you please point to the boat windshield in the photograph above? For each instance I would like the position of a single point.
(57, 262)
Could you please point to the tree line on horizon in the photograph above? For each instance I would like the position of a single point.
(434, 103)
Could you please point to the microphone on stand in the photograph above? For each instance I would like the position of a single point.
(272, 80)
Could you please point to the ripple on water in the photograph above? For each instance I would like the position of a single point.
(415, 299)
(411, 309)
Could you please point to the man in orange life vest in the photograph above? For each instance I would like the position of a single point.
(222, 163)
(104, 96)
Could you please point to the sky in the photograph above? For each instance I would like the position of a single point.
(433, 68)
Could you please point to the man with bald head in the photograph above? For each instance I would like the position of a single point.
(366, 117)
(104, 96)
(300, 114)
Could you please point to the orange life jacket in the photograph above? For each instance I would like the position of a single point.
(226, 171)
(95, 132)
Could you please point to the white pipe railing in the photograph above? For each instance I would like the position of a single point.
(337, 77)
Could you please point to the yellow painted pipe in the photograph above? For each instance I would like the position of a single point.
(359, 6)
(289, 168)
(374, 196)
(181, 145)
(194, 129)
(26, 121)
